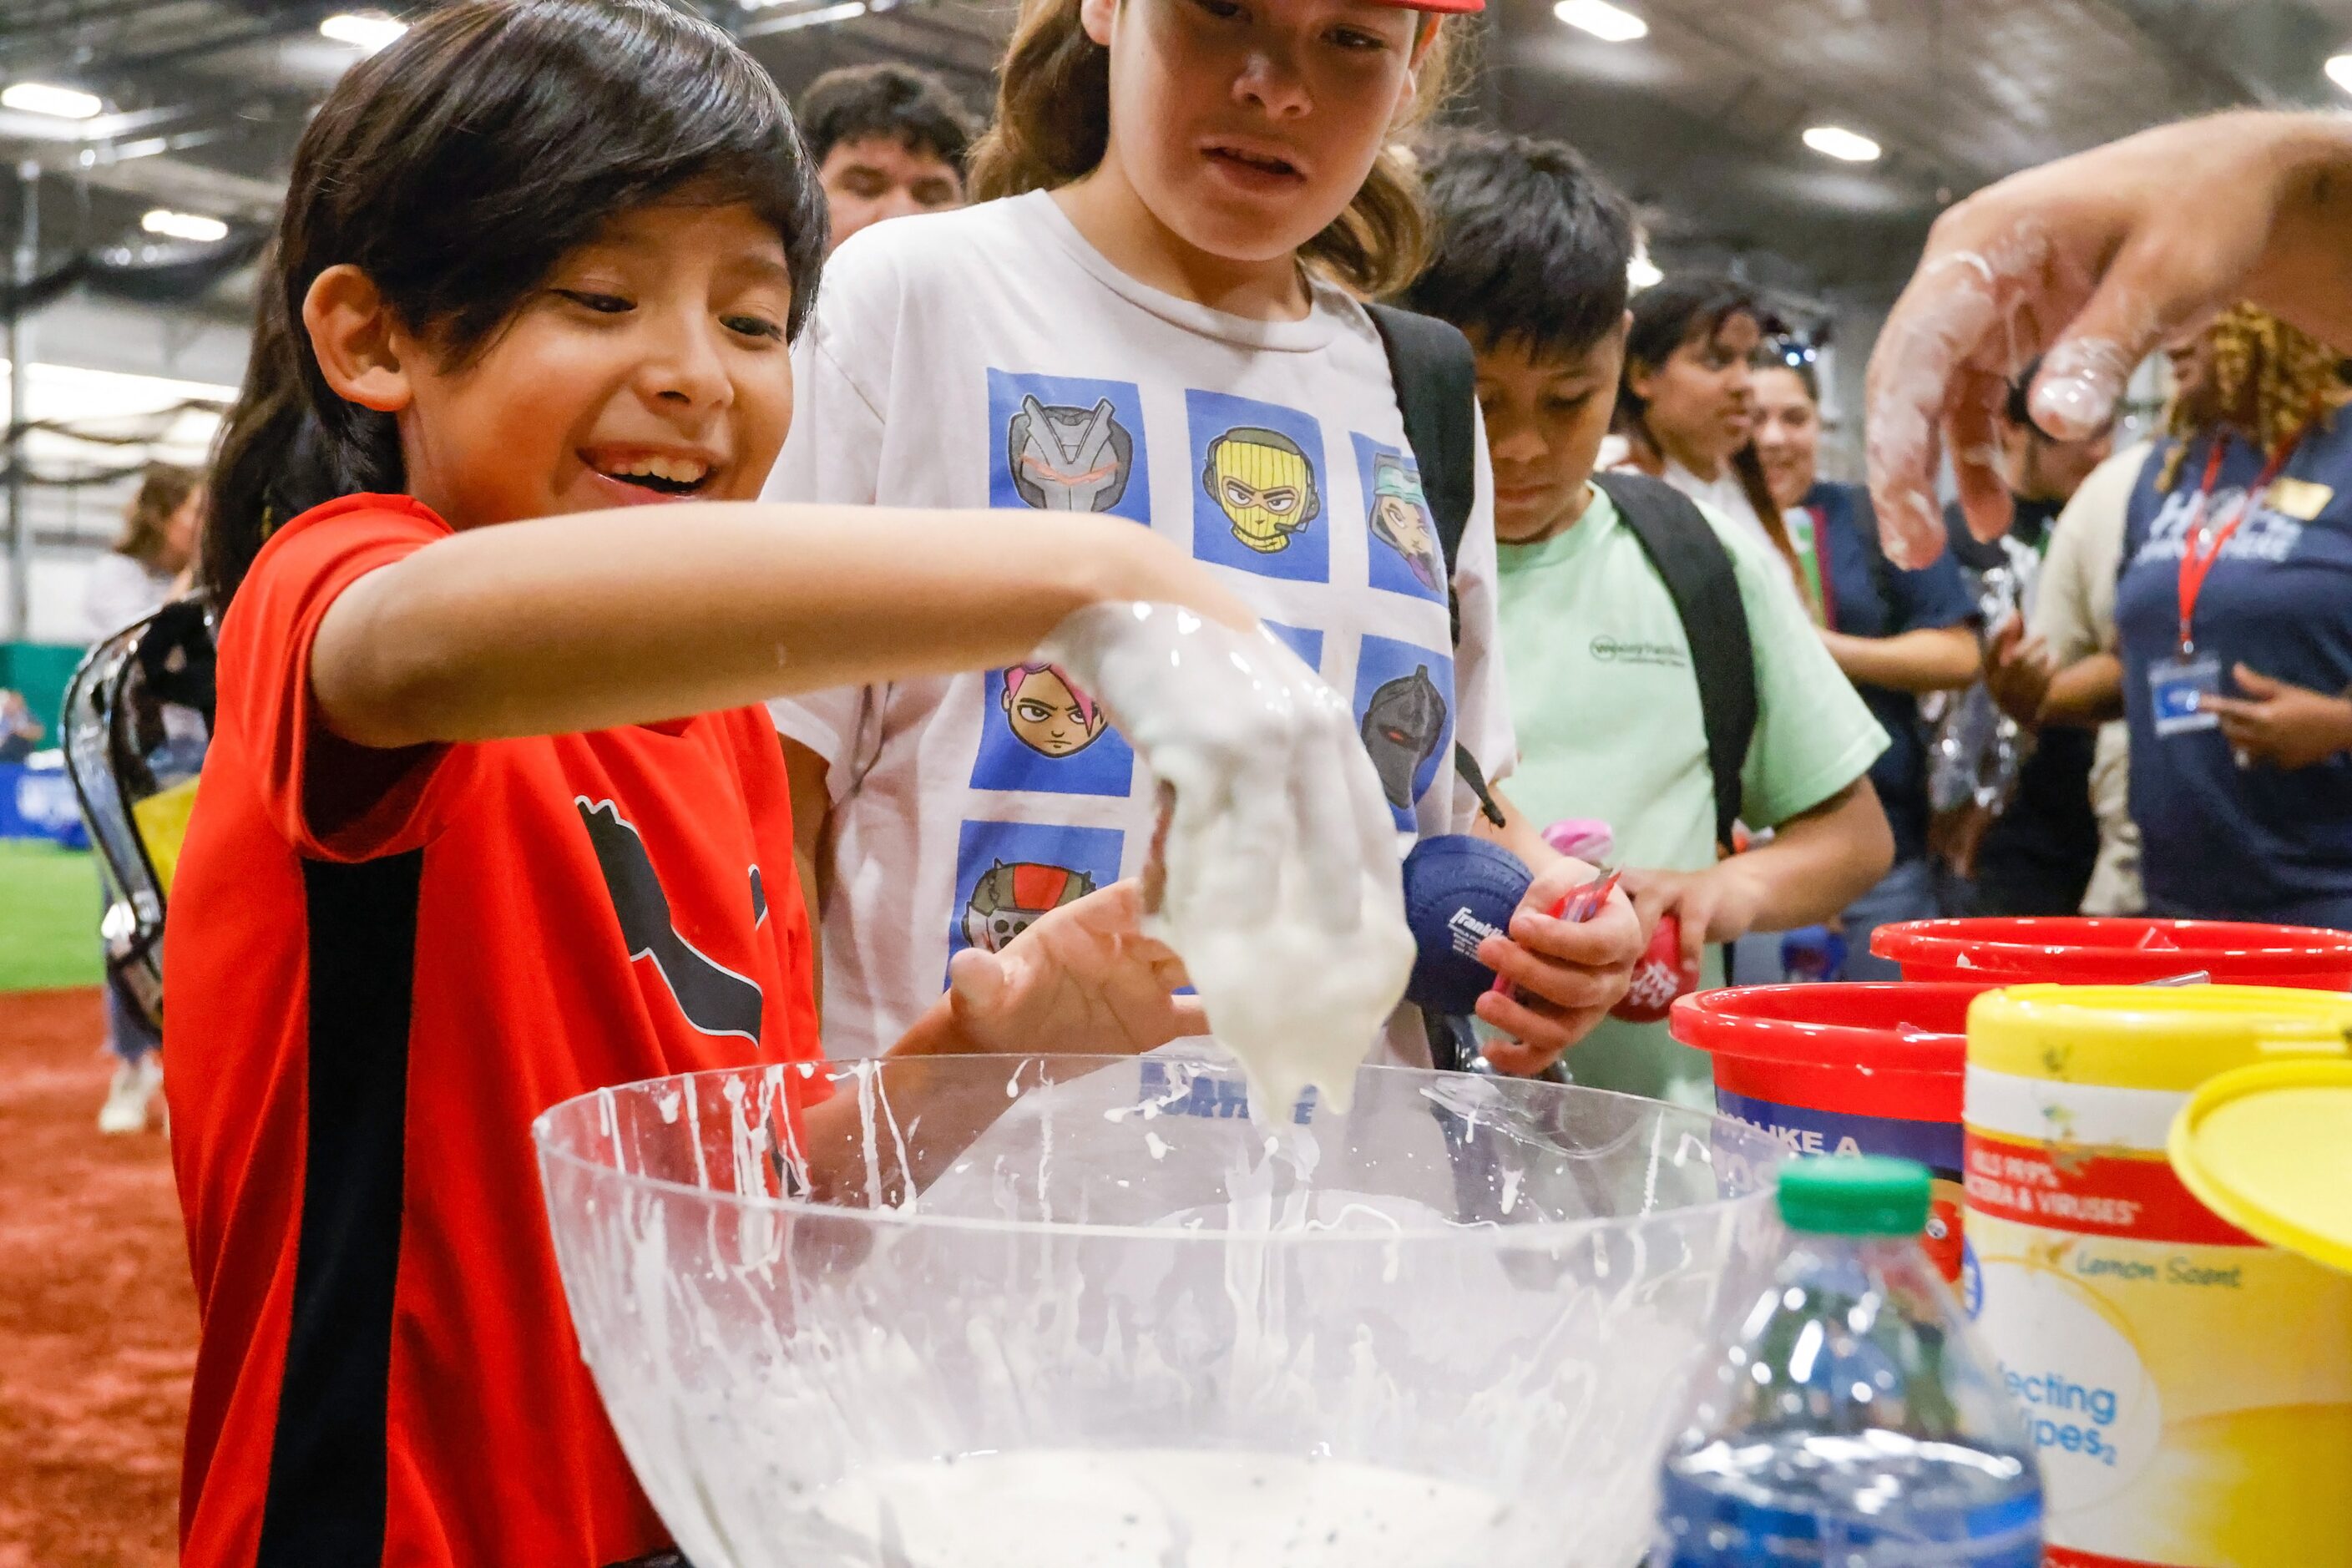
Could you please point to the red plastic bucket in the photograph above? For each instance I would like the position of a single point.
(1846, 1070)
(2094, 951)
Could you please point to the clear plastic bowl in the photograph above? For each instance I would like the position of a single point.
(1122, 1324)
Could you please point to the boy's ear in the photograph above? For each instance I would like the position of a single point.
(1095, 16)
(354, 338)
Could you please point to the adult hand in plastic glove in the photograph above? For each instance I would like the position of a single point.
(1275, 874)
(2093, 262)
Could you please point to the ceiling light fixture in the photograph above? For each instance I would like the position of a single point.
(195, 226)
(57, 102)
(2339, 70)
(799, 19)
(367, 32)
(1846, 146)
(1611, 24)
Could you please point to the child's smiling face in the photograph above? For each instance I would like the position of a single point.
(651, 365)
(1246, 126)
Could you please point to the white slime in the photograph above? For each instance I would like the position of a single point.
(1152, 1508)
(1284, 893)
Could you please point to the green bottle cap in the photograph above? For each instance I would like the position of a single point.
(1848, 1195)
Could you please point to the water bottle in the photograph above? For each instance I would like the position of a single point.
(1852, 1423)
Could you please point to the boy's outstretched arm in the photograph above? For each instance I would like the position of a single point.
(589, 622)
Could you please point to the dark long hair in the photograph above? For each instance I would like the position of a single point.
(456, 168)
(1665, 317)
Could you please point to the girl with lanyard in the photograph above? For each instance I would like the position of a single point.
(1153, 314)
(2234, 613)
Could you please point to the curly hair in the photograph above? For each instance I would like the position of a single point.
(2269, 381)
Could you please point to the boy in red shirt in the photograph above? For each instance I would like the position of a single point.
(489, 820)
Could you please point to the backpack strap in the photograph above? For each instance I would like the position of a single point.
(1436, 380)
(1696, 569)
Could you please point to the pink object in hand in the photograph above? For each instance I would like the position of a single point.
(1585, 838)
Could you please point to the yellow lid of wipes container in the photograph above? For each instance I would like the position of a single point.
(2269, 1149)
(2148, 1037)
(2187, 1384)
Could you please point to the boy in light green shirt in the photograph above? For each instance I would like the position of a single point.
(1532, 250)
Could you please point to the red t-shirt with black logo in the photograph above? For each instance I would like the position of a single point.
(381, 966)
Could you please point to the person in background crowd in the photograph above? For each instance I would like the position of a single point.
(2066, 670)
(2029, 849)
(888, 142)
(1686, 408)
(130, 582)
(20, 732)
(2237, 541)
(1896, 635)
(1153, 314)
(1529, 261)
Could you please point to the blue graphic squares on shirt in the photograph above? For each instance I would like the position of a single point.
(1259, 500)
(1405, 711)
(1063, 444)
(1406, 557)
(1040, 730)
(1010, 873)
(1305, 643)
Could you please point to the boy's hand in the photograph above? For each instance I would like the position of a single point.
(1567, 974)
(1717, 905)
(1084, 980)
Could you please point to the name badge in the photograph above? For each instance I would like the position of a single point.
(2301, 500)
(2177, 685)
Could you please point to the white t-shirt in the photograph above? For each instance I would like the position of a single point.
(1727, 495)
(119, 591)
(991, 357)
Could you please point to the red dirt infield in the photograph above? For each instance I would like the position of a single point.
(97, 1319)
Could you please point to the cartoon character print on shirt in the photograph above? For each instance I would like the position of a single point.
(1258, 495)
(1008, 875)
(1008, 900)
(1265, 486)
(715, 999)
(1405, 557)
(1068, 459)
(1404, 708)
(1047, 712)
(1039, 730)
(1067, 443)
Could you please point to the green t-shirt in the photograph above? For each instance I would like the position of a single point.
(1609, 726)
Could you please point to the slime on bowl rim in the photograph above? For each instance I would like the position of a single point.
(1757, 1152)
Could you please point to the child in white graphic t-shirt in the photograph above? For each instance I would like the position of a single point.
(1156, 319)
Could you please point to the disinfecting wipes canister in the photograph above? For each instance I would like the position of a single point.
(2189, 1389)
